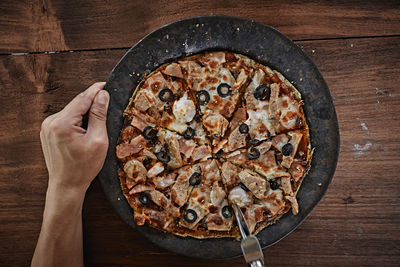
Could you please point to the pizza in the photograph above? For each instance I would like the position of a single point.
(206, 130)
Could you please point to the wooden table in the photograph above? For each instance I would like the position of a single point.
(52, 49)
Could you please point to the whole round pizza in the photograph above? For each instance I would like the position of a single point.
(207, 130)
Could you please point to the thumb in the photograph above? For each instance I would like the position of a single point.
(98, 115)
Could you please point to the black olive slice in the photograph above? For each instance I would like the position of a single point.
(149, 133)
(163, 156)
(273, 184)
(253, 153)
(262, 92)
(147, 161)
(219, 153)
(195, 179)
(287, 149)
(167, 108)
(224, 90)
(254, 141)
(243, 128)
(243, 187)
(166, 95)
(190, 216)
(188, 133)
(203, 97)
(226, 212)
(144, 198)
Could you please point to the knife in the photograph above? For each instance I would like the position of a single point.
(250, 246)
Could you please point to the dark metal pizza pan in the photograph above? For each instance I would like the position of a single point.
(265, 45)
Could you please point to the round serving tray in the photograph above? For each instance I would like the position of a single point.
(261, 43)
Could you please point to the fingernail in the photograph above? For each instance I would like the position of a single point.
(102, 97)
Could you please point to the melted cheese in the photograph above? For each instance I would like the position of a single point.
(258, 118)
(274, 202)
(184, 109)
(289, 112)
(155, 170)
(240, 196)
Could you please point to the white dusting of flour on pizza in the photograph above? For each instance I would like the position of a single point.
(359, 150)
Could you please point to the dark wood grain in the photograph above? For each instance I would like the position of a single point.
(54, 25)
(356, 224)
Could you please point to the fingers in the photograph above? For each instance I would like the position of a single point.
(82, 102)
(97, 117)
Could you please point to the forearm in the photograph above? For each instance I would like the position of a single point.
(74, 156)
(60, 239)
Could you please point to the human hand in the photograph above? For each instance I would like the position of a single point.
(73, 155)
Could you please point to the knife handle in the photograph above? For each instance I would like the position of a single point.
(256, 263)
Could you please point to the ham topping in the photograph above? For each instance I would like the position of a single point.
(273, 101)
(162, 182)
(220, 145)
(155, 170)
(296, 138)
(236, 139)
(286, 186)
(279, 141)
(173, 69)
(294, 204)
(135, 146)
(215, 123)
(238, 118)
(180, 190)
(138, 123)
(254, 215)
(124, 150)
(264, 147)
(159, 198)
(229, 173)
(171, 140)
(274, 202)
(257, 185)
(144, 100)
(186, 147)
(296, 170)
(135, 170)
(201, 152)
(140, 188)
(241, 79)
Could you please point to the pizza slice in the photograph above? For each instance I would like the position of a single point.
(157, 200)
(166, 102)
(217, 84)
(260, 200)
(272, 105)
(259, 158)
(152, 206)
(150, 150)
(282, 161)
(207, 206)
(237, 134)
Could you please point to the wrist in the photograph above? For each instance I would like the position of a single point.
(62, 204)
(64, 187)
